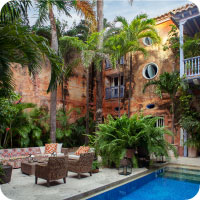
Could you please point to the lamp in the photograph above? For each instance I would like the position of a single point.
(125, 167)
(30, 159)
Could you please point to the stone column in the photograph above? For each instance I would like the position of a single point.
(181, 27)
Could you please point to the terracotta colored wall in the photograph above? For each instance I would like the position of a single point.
(139, 100)
(34, 89)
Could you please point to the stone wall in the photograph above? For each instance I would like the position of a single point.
(34, 88)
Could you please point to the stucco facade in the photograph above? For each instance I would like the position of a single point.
(34, 88)
(165, 62)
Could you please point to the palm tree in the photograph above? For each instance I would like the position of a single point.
(14, 10)
(99, 97)
(46, 12)
(89, 54)
(19, 45)
(139, 28)
(168, 83)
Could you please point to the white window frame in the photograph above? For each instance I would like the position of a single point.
(160, 122)
(144, 42)
(144, 70)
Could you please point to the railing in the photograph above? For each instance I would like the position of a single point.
(192, 66)
(113, 92)
(108, 65)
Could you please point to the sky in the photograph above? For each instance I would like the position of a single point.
(113, 8)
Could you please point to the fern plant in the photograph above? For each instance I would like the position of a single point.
(115, 136)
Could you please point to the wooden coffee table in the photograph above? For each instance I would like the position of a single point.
(29, 167)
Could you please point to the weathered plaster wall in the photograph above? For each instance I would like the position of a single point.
(165, 62)
(34, 89)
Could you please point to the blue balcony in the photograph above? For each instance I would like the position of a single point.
(113, 92)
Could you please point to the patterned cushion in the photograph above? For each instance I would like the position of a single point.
(78, 151)
(50, 148)
(82, 149)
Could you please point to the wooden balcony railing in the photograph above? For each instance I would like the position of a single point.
(113, 92)
(192, 66)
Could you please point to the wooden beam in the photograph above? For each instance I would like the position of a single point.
(195, 21)
(190, 28)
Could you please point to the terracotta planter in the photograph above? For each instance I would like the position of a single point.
(192, 152)
(129, 153)
(6, 177)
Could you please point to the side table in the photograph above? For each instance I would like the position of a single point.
(28, 168)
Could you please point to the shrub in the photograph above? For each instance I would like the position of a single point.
(115, 136)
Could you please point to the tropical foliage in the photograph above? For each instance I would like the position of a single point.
(126, 39)
(14, 10)
(191, 46)
(19, 45)
(191, 124)
(115, 136)
(169, 83)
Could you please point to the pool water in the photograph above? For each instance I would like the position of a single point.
(165, 184)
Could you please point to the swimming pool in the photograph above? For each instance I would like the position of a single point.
(169, 183)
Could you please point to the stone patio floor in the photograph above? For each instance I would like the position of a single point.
(23, 187)
(195, 162)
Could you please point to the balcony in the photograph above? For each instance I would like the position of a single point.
(113, 92)
(192, 67)
(108, 65)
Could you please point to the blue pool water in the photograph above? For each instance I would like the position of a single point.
(165, 184)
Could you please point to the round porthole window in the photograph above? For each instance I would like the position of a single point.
(150, 71)
(147, 41)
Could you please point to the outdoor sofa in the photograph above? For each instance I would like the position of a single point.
(15, 156)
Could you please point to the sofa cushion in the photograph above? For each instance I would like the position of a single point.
(82, 149)
(74, 157)
(50, 148)
(78, 152)
(59, 147)
(42, 150)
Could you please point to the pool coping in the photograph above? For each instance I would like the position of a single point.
(107, 187)
(140, 175)
(103, 188)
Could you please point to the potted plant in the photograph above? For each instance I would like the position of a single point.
(95, 166)
(115, 136)
(5, 173)
(192, 125)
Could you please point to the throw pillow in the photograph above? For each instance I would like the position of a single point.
(50, 148)
(82, 149)
(85, 149)
(78, 152)
(59, 147)
(42, 150)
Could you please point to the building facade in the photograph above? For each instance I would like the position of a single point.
(73, 92)
(158, 61)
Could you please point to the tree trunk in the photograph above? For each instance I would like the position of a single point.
(99, 72)
(119, 100)
(87, 107)
(54, 46)
(63, 96)
(173, 121)
(130, 88)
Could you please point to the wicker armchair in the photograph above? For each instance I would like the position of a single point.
(55, 169)
(83, 165)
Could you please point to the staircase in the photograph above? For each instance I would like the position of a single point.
(182, 174)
